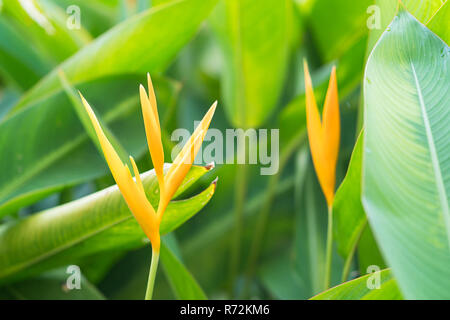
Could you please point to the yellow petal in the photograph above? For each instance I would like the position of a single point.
(136, 200)
(137, 175)
(313, 123)
(153, 133)
(152, 98)
(323, 138)
(331, 130)
(185, 158)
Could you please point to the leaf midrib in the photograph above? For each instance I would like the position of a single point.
(433, 154)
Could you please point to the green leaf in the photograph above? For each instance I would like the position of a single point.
(97, 16)
(40, 39)
(254, 67)
(310, 235)
(349, 218)
(439, 22)
(423, 10)
(33, 169)
(85, 227)
(288, 275)
(358, 289)
(349, 25)
(151, 39)
(310, 231)
(55, 286)
(368, 252)
(183, 284)
(95, 268)
(280, 278)
(381, 15)
(54, 151)
(20, 65)
(406, 169)
(86, 122)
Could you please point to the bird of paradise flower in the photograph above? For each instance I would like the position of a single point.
(132, 190)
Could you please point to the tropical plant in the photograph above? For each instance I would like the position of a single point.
(358, 207)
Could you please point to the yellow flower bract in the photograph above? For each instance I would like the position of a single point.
(324, 135)
(133, 191)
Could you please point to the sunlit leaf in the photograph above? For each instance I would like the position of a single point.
(438, 23)
(406, 168)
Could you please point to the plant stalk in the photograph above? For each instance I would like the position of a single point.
(347, 265)
(241, 191)
(329, 248)
(349, 259)
(152, 275)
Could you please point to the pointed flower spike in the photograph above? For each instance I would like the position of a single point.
(135, 199)
(153, 132)
(152, 98)
(324, 136)
(184, 159)
(332, 125)
(137, 175)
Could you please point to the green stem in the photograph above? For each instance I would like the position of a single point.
(329, 249)
(347, 265)
(348, 260)
(241, 190)
(152, 275)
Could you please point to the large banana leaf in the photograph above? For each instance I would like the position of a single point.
(255, 38)
(345, 43)
(406, 168)
(358, 289)
(99, 222)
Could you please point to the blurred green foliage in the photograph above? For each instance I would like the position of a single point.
(247, 55)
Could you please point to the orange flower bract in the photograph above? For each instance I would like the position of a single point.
(133, 190)
(324, 136)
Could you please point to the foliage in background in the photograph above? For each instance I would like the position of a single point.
(55, 205)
